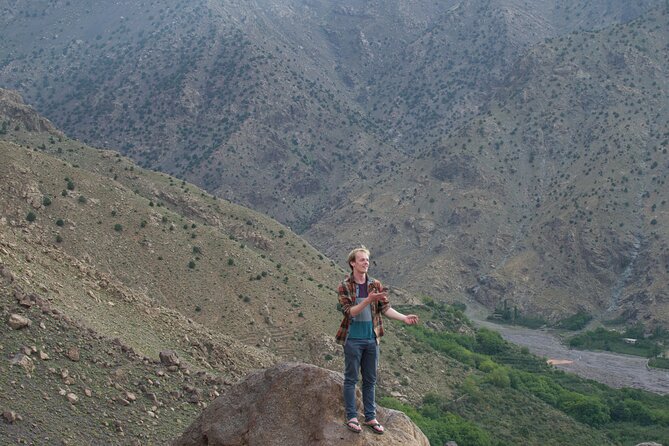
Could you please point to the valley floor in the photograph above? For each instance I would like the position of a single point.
(615, 370)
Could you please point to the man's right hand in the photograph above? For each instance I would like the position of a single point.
(378, 297)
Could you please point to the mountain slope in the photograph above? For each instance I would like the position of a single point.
(111, 288)
(439, 114)
(194, 89)
(266, 103)
(551, 198)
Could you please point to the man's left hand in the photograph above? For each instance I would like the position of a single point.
(411, 319)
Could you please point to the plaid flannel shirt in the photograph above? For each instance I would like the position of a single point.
(347, 295)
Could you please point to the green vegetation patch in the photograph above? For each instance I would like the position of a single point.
(660, 363)
(632, 341)
(441, 426)
(518, 379)
(575, 322)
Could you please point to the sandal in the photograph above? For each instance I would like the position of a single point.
(353, 426)
(376, 428)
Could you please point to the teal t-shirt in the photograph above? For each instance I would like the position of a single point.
(361, 325)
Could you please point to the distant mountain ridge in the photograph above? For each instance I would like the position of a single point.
(421, 129)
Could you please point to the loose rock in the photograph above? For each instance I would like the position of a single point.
(17, 322)
(24, 361)
(73, 354)
(10, 416)
(169, 358)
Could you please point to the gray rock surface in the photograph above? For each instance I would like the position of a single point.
(292, 404)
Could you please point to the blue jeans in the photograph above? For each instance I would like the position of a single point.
(363, 355)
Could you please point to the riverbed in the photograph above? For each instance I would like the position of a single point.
(613, 369)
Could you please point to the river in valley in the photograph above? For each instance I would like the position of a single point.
(613, 369)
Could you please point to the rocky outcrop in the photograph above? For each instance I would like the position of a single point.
(13, 109)
(291, 403)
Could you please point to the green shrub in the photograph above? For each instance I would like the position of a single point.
(118, 227)
(441, 426)
(46, 201)
(31, 216)
(575, 322)
(499, 377)
(490, 342)
(586, 409)
(660, 363)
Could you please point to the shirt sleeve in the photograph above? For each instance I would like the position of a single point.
(345, 300)
(381, 306)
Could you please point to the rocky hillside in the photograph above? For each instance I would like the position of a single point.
(460, 128)
(551, 199)
(129, 301)
(105, 266)
(271, 104)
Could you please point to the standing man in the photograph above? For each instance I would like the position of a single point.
(363, 300)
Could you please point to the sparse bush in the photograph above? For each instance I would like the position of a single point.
(118, 227)
(575, 322)
(46, 201)
(60, 222)
(191, 264)
(499, 377)
(31, 217)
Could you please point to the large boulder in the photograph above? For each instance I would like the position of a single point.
(292, 404)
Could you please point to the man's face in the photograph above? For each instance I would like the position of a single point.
(361, 263)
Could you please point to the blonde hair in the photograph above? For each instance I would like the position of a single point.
(353, 253)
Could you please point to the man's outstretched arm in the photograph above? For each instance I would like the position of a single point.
(409, 319)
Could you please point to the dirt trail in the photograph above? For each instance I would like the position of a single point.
(613, 369)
